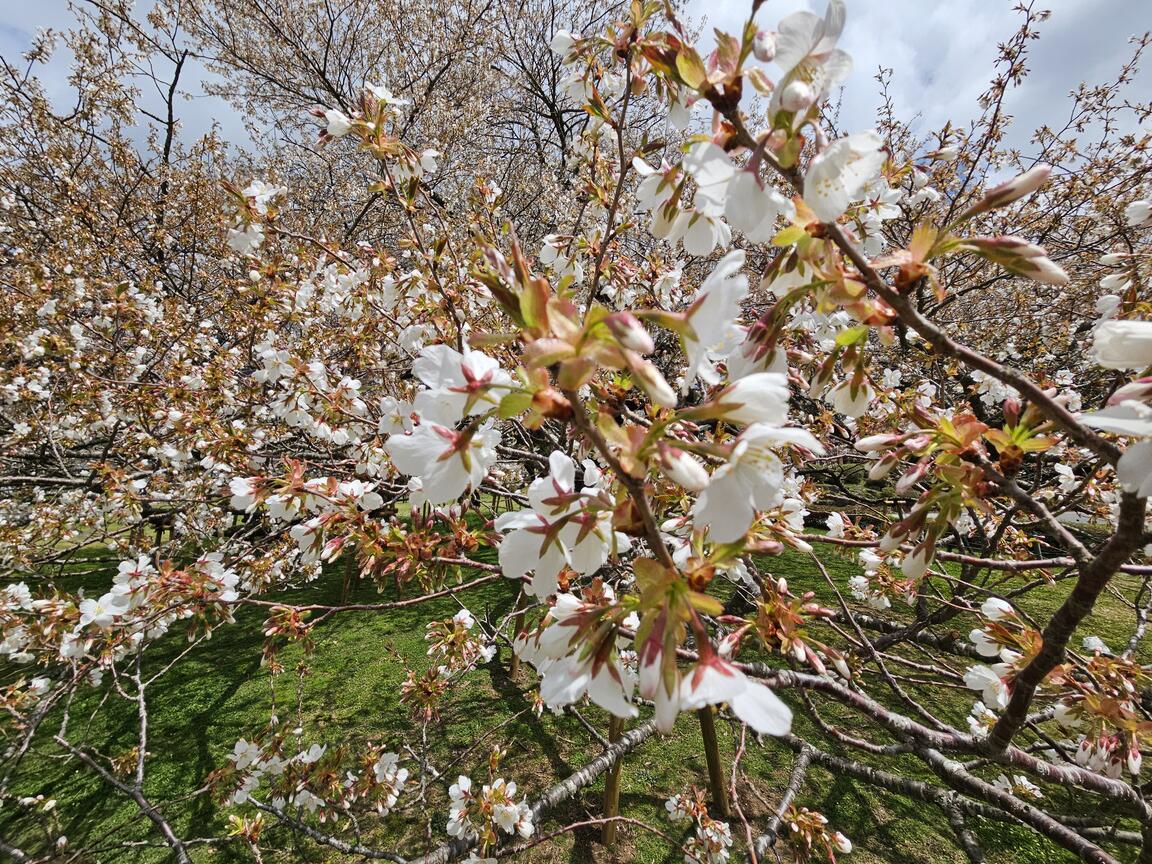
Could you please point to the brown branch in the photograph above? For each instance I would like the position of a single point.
(146, 806)
(1093, 579)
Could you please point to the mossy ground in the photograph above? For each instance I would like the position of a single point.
(351, 693)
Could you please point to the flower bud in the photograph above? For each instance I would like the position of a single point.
(1115, 283)
(332, 549)
(797, 96)
(764, 46)
(1139, 214)
(1013, 190)
(883, 467)
(339, 124)
(630, 333)
(652, 382)
(911, 478)
(995, 609)
(872, 443)
(893, 538)
(764, 546)
(682, 468)
(842, 666)
(915, 565)
(1021, 257)
(1139, 390)
(1012, 409)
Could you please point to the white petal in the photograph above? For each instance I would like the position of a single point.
(725, 508)
(1127, 418)
(708, 164)
(762, 709)
(609, 694)
(565, 681)
(519, 552)
(1135, 469)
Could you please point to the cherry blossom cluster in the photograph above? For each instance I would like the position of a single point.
(487, 813)
(712, 838)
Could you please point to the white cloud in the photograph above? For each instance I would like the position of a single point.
(942, 52)
(197, 112)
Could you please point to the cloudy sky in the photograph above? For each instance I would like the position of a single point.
(941, 52)
(21, 19)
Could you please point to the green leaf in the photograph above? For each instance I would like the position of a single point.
(534, 303)
(515, 403)
(705, 604)
(852, 336)
(788, 236)
(690, 68)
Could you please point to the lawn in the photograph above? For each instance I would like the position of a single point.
(350, 693)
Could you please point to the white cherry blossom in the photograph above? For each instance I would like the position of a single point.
(989, 681)
(761, 397)
(1123, 344)
(1139, 213)
(712, 312)
(338, 122)
(458, 384)
(446, 461)
(754, 209)
(851, 399)
(838, 176)
(806, 51)
(751, 480)
(714, 680)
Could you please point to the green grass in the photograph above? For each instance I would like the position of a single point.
(350, 694)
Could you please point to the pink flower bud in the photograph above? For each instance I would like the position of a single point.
(1021, 257)
(872, 443)
(1139, 390)
(630, 333)
(911, 478)
(1014, 189)
(842, 667)
(883, 467)
(682, 468)
(1012, 411)
(651, 381)
(797, 96)
(764, 46)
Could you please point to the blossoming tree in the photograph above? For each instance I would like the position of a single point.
(732, 336)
